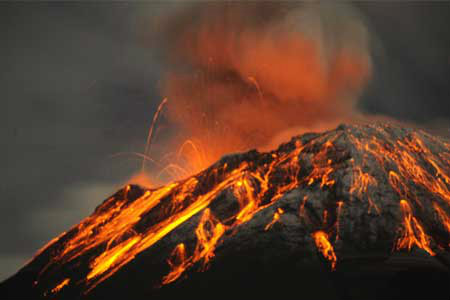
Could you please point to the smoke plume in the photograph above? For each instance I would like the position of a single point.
(240, 74)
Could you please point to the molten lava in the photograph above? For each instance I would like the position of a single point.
(61, 285)
(276, 218)
(346, 167)
(413, 232)
(325, 247)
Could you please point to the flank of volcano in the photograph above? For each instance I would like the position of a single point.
(362, 211)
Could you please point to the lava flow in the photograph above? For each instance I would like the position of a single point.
(394, 179)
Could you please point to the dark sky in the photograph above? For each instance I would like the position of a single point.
(80, 83)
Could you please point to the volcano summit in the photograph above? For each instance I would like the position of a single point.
(362, 211)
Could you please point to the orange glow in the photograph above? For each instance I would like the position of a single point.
(301, 212)
(177, 263)
(237, 90)
(324, 246)
(322, 167)
(114, 234)
(340, 204)
(46, 246)
(413, 233)
(207, 238)
(108, 258)
(62, 284)
(276, 218)
(360, 185)
(142, 179)
(238, 77)
(150, 132)
(208, 234)
(443, 216)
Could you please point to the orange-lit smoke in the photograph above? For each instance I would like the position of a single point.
(239, 74)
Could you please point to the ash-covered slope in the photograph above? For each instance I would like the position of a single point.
(356, 212)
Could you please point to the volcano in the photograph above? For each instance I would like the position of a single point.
(359, 212)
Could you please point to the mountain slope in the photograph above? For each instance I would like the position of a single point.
(356, 212)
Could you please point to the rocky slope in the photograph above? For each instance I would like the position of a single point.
(357, 212)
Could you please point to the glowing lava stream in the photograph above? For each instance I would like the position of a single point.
(276, 218)
(124, 226)
(325, 247)
(413, 233)
(61, 285)
(112, 260)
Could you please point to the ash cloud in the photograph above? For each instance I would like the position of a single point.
(238, 74)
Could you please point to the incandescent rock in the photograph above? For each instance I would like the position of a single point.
(359, 212)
